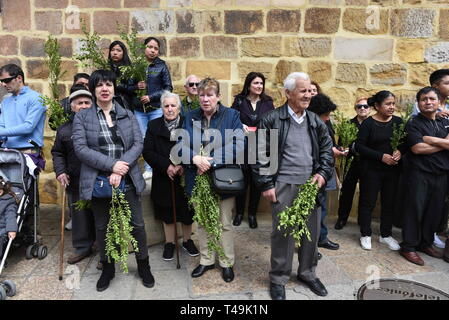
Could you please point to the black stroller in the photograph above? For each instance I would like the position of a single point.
(13, 168)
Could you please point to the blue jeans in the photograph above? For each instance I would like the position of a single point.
(143, 118)
(331, 185)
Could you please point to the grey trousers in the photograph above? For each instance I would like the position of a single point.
(282, 248)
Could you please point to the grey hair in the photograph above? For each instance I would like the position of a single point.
(290, 81)
(191, 75)
(168, 94)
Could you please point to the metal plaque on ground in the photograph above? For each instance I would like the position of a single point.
(398, 289)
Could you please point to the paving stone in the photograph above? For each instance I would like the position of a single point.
(120, 288)
(43, 288)
(168, 285)
(437, 280)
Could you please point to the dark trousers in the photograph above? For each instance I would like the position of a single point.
(347, 192)
(100, 208)
(83, 225)
(254, 196)
(424, 202)
(373, 181)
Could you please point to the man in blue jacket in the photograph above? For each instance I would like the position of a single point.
(23, 114)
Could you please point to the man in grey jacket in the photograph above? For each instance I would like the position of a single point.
(304, 151)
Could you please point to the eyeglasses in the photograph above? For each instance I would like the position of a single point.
(8, 80)
(360, 106)
(191, 84)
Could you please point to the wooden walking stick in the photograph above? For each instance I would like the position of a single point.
(174, 219)
(61, 245)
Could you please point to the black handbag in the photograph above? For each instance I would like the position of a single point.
(227, 179)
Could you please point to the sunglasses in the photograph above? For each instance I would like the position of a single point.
(360, 106)
(191, 84)
(8, 80)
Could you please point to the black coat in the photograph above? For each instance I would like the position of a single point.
(156, 152)
(248, 115)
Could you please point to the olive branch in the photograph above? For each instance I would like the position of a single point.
(399, 132)
(346, 132)
(91, 54)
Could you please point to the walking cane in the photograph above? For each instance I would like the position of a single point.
(174, 219)
(61, 245)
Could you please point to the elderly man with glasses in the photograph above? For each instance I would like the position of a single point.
(191, 101)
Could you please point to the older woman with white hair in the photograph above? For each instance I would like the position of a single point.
(156, 152)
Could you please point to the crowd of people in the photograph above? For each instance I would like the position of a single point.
(110, 127)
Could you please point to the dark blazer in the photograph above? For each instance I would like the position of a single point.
(248, 116)
(156, 152)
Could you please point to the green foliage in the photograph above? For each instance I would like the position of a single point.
(399, 133)
(207, 213)
(138, 68)
(82, 205)
(57, 115)
(53, 62)
(293, 220)
(118, 234)
(91, 54)
(346, 132)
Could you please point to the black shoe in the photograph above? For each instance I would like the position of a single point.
(107, 274)
(238, 220)
(227, 274)
(200, 270)
(339, 224)
(319, 255)
(189, 246)
(252, 221)
(144, 271)
(316, 286)
(277, 291)
(327, 244)
(169, 249)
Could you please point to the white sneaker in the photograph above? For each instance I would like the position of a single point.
(438, 243)
(68, 226)
(390, 242)
(365, 242)
(148, 175)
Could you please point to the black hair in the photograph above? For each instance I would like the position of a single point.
(437, 75)
(7, 188)
(125, 60)
(249, 78)
(426, 90)
(101, 75)
(379, 98)
(321, 104)
(152, 38)
(80, 75)
(77, 87)
(13, 70)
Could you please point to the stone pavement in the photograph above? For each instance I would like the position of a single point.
(342, 271)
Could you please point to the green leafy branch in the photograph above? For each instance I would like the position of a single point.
(82, 205)
(293, 220)
(399, 132)
(118, 233)
(346, 132)
(91, 54)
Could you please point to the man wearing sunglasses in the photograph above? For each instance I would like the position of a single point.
(23, 114)
(191, 101)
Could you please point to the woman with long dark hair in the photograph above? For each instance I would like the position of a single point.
(380, 170)
(252, 103)
(126, 89)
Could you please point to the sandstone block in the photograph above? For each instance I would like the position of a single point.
(262, 46)
(341, 97)
(326, 2)
(251, 3)
(13, 19)
(10, 45)
(37, 69)
(388, 74)
(184, 47)
(412, 23)
(411, 1)
(243, 22)
(36, 86)
(220, 47)
(363, 49)
(322, 20)
(32, 47)
(74, 22)
(357, 2)
(179, 3)
(9, 60)
(50, 21)
(59, 4)
(142, 3)
(283, 20)
(287, 3)
(155, 21)
(245, 67)
(284, 68)
(70, 67)
(444, 24)
(106, 22)
(419, 73)
(385, 3)
(410, 51)
(366, 21)
(438, 53)
(97, 3)
(212, 3)
(319, 71)
(307, 47)
(48, 189)
(175, 68)
(190, 21)
(65, 47)
(206, 68)
(354, 73)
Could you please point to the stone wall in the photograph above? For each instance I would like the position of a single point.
(351, 47)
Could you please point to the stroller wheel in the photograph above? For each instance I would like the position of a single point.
(2, 293)
(10, 288)
(31, 251)
(42, 252)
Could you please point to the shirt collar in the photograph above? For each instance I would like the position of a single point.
(112, 110)
(294, 115)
